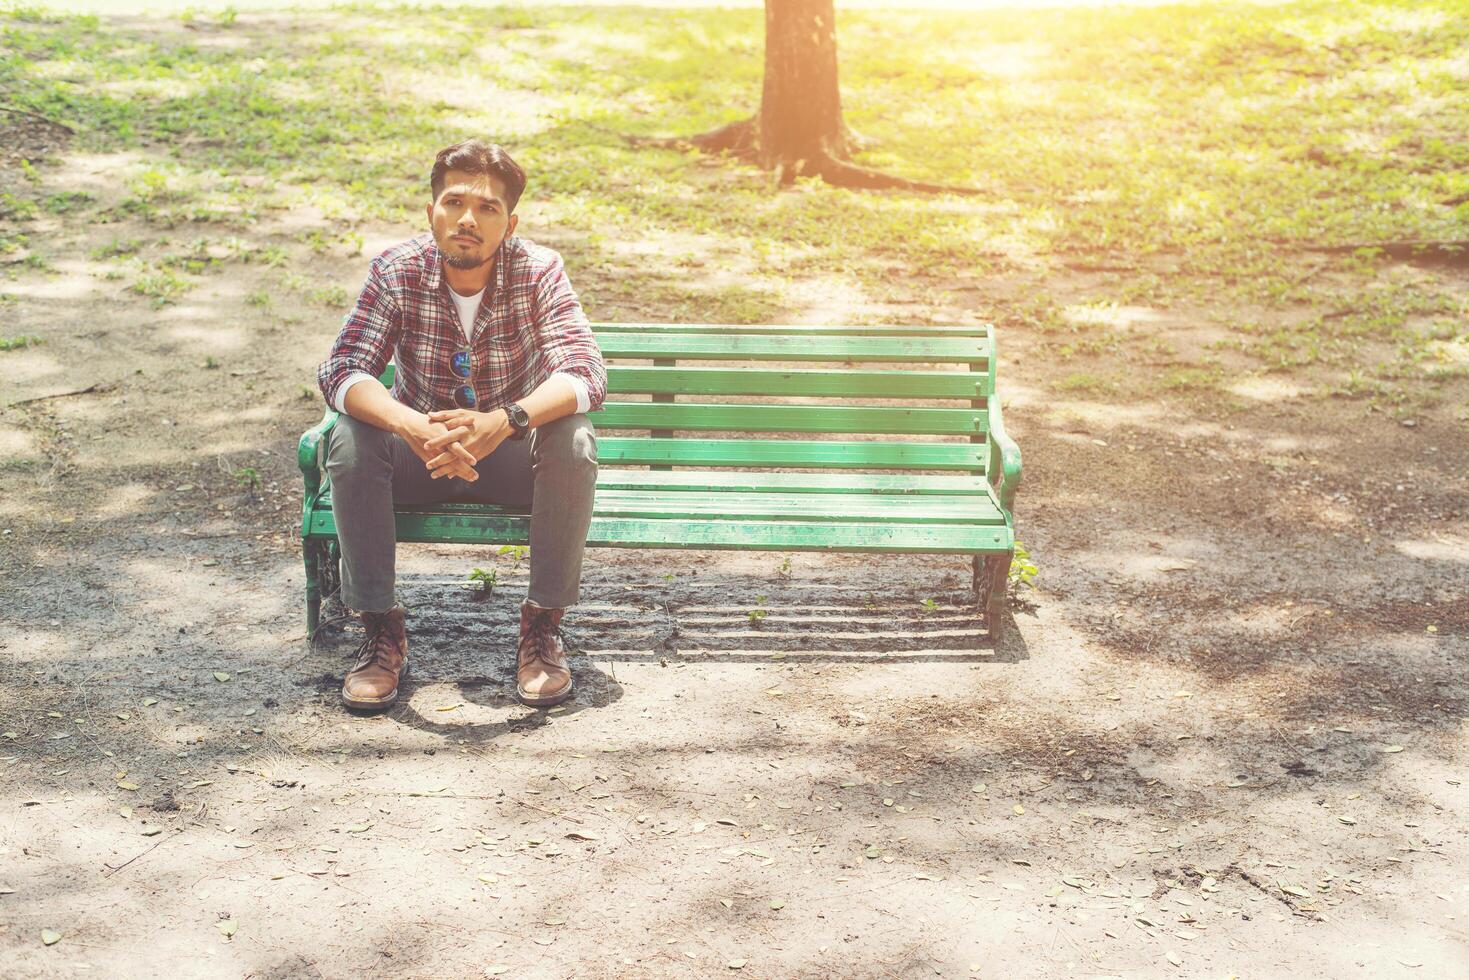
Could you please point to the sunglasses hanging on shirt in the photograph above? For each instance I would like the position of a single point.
(461, 363)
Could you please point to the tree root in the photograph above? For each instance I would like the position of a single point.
(840, 173)
(1445, 253)
(741, 140)
(737, 139)
(38, 117)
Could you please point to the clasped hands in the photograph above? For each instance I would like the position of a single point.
(451, 442)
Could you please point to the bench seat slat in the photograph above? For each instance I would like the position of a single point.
(715, 481)
(791, 418)
(655, 503)
(810, 454)
(798, 382)
(484, 526)
(752, 347)
(933, 509)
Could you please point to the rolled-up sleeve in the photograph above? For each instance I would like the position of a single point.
(367, 339)
(564, 335)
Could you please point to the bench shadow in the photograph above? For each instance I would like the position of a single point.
(788, 629)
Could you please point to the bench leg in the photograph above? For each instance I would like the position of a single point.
(311, 554)
(996, 578)
(331, 576)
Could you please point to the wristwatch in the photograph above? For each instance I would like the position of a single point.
(519, 421)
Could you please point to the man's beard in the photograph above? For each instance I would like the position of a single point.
(467, 261)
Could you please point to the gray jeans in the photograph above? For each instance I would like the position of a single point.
(553, 472)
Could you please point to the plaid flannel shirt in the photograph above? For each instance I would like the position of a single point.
(530, 325)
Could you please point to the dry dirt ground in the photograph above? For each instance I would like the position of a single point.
(1227, 736)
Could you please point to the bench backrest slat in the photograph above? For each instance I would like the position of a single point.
(792, 418)
(702, 380)
(833, 348)
(811, 454)
(793, 329)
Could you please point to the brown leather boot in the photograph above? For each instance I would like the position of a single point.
(382, 662)
(542, 675)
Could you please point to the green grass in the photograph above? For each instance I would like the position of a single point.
(161, 286)
(1225, 138)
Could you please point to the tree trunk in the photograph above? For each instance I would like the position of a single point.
(800, 116)
(799, 130)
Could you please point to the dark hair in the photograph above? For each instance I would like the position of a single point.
(479, 157)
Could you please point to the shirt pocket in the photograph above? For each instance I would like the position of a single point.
(506, 363)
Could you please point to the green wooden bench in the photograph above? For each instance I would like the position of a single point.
(829, 457)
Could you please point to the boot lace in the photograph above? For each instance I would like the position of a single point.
(538, 638)
(378, 649)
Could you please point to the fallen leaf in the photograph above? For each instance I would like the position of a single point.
(1392, 748)
(1174, 958)
(736, 964)
(1019, 810)
(149, 702)
(49, 937)
(777, 903)
(130, 787)
(449, 707)
(578, 835)
(221, 676)
(978, 788)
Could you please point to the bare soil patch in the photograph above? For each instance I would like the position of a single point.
(1227, 737)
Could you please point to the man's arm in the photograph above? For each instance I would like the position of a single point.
(366, 341)
(564, 336)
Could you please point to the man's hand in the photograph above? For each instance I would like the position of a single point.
(472, 434)
(457, 461)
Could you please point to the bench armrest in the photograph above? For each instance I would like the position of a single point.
(1004, 464)
(308, 452)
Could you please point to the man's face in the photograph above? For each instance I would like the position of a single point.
(470, 220)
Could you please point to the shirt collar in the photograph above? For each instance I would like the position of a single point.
(436, 266)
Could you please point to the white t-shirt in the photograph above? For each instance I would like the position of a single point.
(468, 307)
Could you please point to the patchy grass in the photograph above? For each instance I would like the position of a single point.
(1228, 140)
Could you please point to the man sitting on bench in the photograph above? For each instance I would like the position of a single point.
(496, 372)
